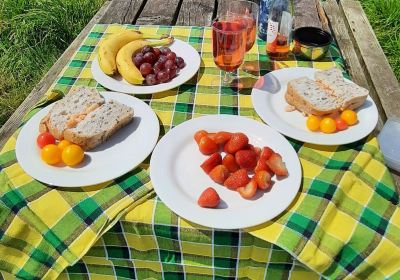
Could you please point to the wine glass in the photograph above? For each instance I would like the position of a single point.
(248, 12)
(229, 45)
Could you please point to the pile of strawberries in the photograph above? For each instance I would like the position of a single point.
(243, 168)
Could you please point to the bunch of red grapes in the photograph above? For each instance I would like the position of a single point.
(158, 65)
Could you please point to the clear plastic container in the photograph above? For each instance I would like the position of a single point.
(389, 141)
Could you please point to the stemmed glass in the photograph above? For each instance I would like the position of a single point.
(229, 45)
(248, 12)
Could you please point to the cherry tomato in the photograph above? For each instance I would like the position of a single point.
(313, 123)
(349, 116)
(341, 125)
(199, 134)
(328, 125)
(63, 144)
(72, 155)
(50, 154)
(207, 146)
(44, 139)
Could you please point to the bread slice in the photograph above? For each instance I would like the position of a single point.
(99, 125)
(350, 95)
(310, 98)
(74, 105)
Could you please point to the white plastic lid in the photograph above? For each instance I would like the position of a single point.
(389, 140)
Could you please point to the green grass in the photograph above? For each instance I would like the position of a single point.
(33, 34)
(384, 16)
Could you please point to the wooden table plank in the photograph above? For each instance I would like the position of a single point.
(42, 87)
(346, 46)
(196, 12)
(306, 13)
(376, 64)
(164, 12)
(123, 11)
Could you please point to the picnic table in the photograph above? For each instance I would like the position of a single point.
(141, 238)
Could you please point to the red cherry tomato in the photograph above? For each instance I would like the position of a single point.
(341, 124)
(44, 139)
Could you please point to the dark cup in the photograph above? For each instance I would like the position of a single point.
(311, 42)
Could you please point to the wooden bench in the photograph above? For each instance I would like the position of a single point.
(346, 20)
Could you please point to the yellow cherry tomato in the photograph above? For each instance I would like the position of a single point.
(328, 125)
(63, 144)
(72, 155)
(349, 116)
(313, 123)
(50, 154)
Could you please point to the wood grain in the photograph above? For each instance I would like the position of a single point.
(306, 13)
(196, 12)
(41, 88)
(159, 12)
(376, 64)
(346, 46)
(122, 11)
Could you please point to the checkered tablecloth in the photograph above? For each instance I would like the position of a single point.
(344, 223)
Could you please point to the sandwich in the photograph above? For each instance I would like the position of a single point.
(328, 94)
(83, 117)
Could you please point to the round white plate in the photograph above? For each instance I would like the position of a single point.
(117, 83)
(122, 152)
(268, 98)
(178, 179)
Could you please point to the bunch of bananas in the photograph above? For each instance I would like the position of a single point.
(116, 51)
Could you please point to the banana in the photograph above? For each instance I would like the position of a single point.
(125, 65)
(110, 46)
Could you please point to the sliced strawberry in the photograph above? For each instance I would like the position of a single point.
(199, 134)
(266, 152)
(212, 136)
(246, 159)
(222, 137)
(249, 190)
(237, 142)
(219, 174)
(237, 179)
(277, 165)
(209, 198)
(230, 162)
(263, 179)
(211, 162)
(257, 150)
(262, 165)
(207, 146)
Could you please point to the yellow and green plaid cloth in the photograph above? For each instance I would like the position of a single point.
(344, 223)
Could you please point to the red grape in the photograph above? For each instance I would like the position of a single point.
(171, 55)
(165, 50)
(151, 79)
(149, 57)
(158, 66)
(180, 62)
(169, 64)
(146, 69)
(172, 72)
(162, 59)
(157, 52)
(138, 59)
(147, 49)
(163, 76)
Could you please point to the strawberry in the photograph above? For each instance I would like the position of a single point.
(199, 134)
(222, 137)
(263, 179)
(219, 174)
(262, 165)
(207, 146)
(209, 198)
(211, 162)
(237, 179)
(266, 152)
(229, 162)
(212, 136)
(249, 190)
(237, 142)
(246, 159)
(257, 150)
(277, 165)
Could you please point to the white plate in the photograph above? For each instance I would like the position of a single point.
(178, 179)
(269, 102)
(117, 83)
(125, 150)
